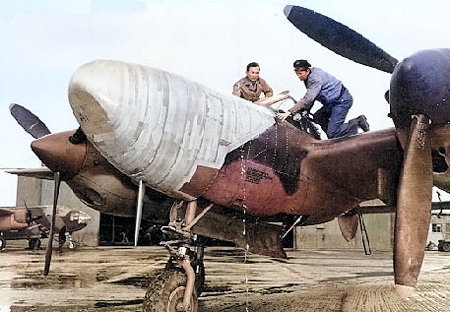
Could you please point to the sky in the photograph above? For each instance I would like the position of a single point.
(43, 42)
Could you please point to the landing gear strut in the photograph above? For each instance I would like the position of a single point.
(179, 285)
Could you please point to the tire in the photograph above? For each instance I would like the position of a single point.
(199, 275)
(446, 247)
(72, 245)
(34, 243)
(2, 243)
(166, 291)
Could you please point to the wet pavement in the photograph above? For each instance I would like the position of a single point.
(115, 279)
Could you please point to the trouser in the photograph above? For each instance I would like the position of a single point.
(331, 117)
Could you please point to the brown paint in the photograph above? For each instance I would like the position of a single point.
(286, 171)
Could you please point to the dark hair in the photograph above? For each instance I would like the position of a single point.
(302, 63)
(252, 64)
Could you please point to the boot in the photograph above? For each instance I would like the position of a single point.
(362, 123)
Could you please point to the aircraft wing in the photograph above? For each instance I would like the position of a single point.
(39, 173)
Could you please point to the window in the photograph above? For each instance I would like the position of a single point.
(436, 227)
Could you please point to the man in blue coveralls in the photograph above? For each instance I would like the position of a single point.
(335, 98)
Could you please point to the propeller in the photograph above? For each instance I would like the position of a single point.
(414, 205)
(27, 120)
(339, 38)
(29, 216)
(34, 126)
(417, 96)
(48, 251)
(61, 152)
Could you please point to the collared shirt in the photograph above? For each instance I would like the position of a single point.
(320, 86)
(251, 91)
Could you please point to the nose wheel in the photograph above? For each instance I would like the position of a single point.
(166, 293)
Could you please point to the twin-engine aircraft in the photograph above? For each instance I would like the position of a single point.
(148, 137)
(33, 223)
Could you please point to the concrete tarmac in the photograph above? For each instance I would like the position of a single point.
(115, 279)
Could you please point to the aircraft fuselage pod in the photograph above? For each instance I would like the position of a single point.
(186, 140)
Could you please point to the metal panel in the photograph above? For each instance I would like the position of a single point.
(158, 126)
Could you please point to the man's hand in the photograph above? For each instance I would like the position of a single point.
(282, 116)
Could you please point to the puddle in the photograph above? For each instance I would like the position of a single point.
(138, 281)
(103, 304)
(56, 281)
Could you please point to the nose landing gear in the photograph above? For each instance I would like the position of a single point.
(177, 288)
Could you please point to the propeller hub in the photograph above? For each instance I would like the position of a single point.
(58, 154)
(420, 84)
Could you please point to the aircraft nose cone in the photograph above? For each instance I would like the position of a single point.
(21, 215)
(156, 126)
(420, 84)
(58, 154)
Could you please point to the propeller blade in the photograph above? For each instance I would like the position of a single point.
(29, 121)
(140, 201)
(339, 38)
(29, 216)
(413, 207)
(349, 225)
(48, 252)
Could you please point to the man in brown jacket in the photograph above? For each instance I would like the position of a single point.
(252, 86)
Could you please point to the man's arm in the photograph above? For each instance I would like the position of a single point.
(266, 88)
(237, 89)
(306, 102)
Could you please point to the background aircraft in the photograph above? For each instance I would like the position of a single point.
(33, 223)
(232, 162)
(15, 219)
